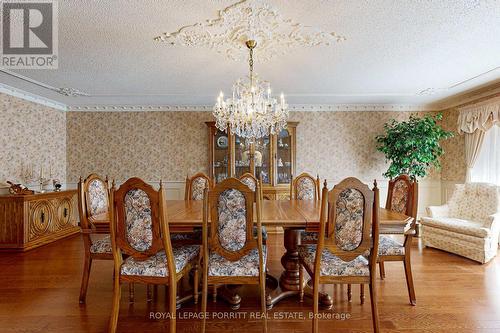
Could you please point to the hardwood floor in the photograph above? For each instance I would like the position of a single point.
(39, 293)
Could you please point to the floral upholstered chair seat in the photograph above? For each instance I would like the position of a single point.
(332, 265)
(101, 245)
(246, 266)
(156, 266)
(388, 246)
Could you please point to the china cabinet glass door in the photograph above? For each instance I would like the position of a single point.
(262, 159)
(242, 154)
(220, 156)
(284, 157)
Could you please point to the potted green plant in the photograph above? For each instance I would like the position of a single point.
(412, 146)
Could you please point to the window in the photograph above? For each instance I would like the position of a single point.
(487, 167)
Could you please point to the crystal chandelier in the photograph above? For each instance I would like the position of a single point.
(252, 112)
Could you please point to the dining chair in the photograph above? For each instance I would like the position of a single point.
(256, 186)
(139, 229)
(193, 192)
(231, 252)
(93, 208)
(306, 187)
(347, 246)
(402, 197)
(195, 186)
(251, 181)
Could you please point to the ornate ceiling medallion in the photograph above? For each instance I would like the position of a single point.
(70, 92)
(249, 20)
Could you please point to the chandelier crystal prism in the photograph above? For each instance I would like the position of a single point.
(251, 112)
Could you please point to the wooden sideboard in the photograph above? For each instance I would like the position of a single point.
(29, 221)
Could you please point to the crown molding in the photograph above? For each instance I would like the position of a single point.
(468, 97)
(438, 106)
(292, 107)
(6, 89)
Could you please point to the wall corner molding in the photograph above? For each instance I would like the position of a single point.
(6, 89)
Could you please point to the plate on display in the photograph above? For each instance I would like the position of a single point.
(222, 142)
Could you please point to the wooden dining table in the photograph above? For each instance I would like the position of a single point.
(293, 216)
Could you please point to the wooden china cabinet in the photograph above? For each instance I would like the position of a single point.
(271, 159)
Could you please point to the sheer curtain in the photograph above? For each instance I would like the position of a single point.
(487, 166)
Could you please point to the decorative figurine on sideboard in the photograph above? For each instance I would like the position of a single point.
(57, 185)
(19, 189)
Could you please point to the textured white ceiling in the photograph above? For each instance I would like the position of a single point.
(394, 50)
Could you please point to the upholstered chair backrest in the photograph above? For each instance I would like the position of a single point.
(474, 201)
(196, 185)
(305, 187)
(402, 196)
(347, 226)
(230, 205)
(98, 197)
(249, 180)
(93, 199)
(138, 212)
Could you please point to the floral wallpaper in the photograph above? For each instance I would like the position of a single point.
(337, 145)
(168, 145)
(149, 145)
(31, 133)
(453, 161)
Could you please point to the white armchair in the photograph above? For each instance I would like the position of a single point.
(468, 225)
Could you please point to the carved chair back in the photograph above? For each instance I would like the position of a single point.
(230, 206)
(93, 201)
(139, 222)
(196, 185)
(349, 221)
(305, 187)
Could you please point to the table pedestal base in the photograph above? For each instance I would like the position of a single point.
(289, 282)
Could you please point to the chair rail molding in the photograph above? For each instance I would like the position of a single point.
(431, 192)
